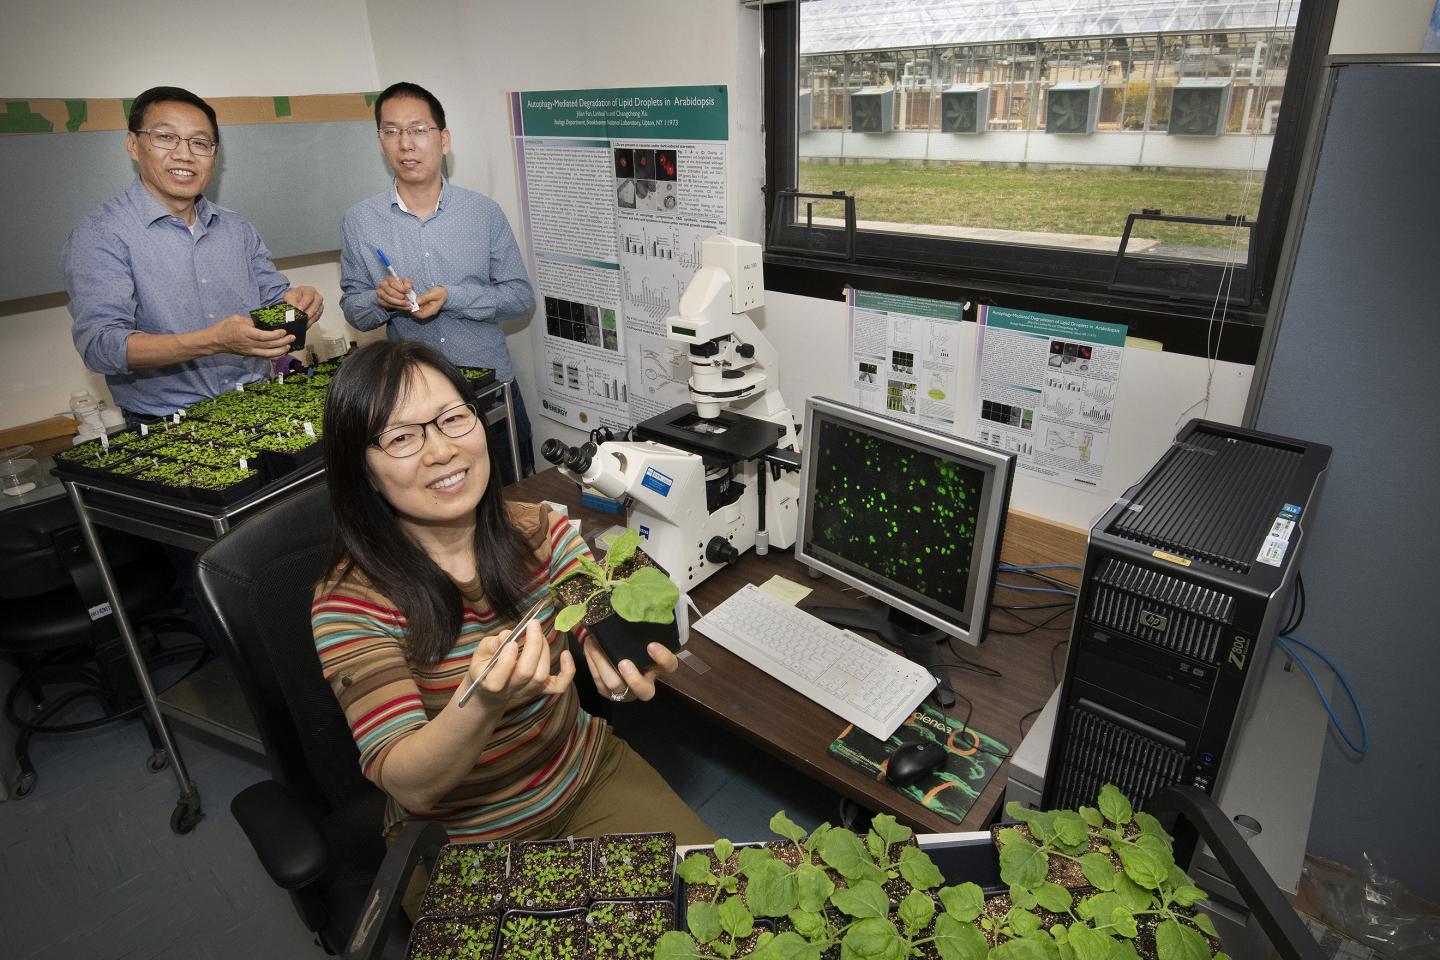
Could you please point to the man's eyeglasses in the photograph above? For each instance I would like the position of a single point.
(407, 439)
(416, 131)
(167, 141)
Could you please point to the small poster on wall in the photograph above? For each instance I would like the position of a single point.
(905, 357)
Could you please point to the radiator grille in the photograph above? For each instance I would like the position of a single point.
(1100, 751)
(1164, 610)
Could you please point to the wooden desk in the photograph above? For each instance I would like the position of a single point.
(760, 708)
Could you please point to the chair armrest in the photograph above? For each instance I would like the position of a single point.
(289, 844)
(417, 840)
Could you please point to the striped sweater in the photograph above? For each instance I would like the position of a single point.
(543, 751)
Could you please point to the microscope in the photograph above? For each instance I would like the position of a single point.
(707, 480)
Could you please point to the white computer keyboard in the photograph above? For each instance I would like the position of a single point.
(863, 682)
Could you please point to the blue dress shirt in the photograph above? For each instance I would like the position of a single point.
(465, 246)
(132, 265)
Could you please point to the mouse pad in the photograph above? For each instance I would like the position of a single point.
(949, 791)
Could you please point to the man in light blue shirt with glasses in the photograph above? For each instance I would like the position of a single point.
(452, 250)
(162, 281)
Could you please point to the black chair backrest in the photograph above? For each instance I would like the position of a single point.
(30, 561)
(258, 580)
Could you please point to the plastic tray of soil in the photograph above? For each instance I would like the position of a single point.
(550, 874)
(633, 866)
(626, 929)
(467, 938)
(211, 486)
(478, 377)
(277, 463)
(542, 935)
(273, 318)
(469, 878)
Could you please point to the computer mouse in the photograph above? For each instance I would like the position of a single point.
(913, 761)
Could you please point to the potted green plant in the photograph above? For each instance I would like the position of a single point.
(550, 875)
(469, 938)
(222, 486)
(634, 866)
(626, 930)
(542, 936)
(630, 586)
(469, 878)
(283, 316)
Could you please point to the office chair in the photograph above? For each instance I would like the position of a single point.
(55, 623)
(316, 824)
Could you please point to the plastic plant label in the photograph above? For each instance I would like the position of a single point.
(105, 442)
(309, 429)
(175, 418)
(144, 429)
(239, 388)
(282, 378)
(290, 316)
(244, 464)
(180, 414)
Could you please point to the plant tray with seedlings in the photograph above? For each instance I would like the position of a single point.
(527, 935)
(627, 929)
(550, 874)
(224, 485)
(467, 938)
(283, 316)
(91, 459)
(469, 878)
(478, 377)
(633, 866)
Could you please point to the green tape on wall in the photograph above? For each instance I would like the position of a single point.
(79, 112)
(18, 118)
(282, 106)
(125, 106)
(370, 98)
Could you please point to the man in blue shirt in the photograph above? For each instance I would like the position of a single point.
(452, 249)
(161, 280)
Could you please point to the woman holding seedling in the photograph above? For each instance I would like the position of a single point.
(431, 569)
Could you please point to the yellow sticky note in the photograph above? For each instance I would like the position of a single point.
(783, 589)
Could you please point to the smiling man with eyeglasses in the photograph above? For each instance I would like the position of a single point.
(451, 248)
(162, 281)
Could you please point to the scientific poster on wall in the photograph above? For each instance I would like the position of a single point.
(1046, 391)
(619, 187)
(904, 357)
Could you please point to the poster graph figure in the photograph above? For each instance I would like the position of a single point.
(654, 303)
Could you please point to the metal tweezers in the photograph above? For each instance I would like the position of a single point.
(514, 637)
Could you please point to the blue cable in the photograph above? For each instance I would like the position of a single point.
(1364, 728)
(1041, 566)
(1011, 586)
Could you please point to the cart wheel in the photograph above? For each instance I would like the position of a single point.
(187, 814)
(158, 761)
(24, 784)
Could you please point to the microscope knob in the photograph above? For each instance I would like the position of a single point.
(554, 451)
(579, 458)
(720, 550)
(746, 350)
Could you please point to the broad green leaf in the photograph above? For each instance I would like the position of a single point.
(808, 923)
(566, 619)
(1188, 896)
(1023, 897)
(1151, 827)
(958, 941)
(963, 902)
(735, 919)
(723, 850)
(1008, 835)
(787, 828)
(1114, 805)
(703, 918)
(1088, 944)
(1099, 871)
(1023, 863)
(1059, 932)
(1143, 866)
(1026, 949)
(623, 548)
(786, 946)
(1123, 950)
(646, 596)
(1042, 825)
(729, 883)
(843, 850)
(771, 891)
(1023, 922)
(1070, 830)
(1053, 897)
(875, 845)
(1015, 810)
(816, 836)
(1157, 846)
(1102, 908)
(915, 912)
(1092, 816)
(890, 830)
(750, 856)
(1203, 921)
(864, 899)
(589, 568)
(1174, 941)
(1123, 922)
(813, 887)
(696, 869)
(1132, 895)
(674, 945)
(873, 939)
(919, 870)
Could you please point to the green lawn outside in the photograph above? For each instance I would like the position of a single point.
(1093, 201)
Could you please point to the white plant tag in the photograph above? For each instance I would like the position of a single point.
(309, 429)
(239, 388)
(175, 418)
(244, 464)
(290, 316)
(144, 429)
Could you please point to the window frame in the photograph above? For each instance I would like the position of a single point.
(1046, 279)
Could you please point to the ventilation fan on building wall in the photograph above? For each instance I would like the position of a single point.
(872, 110)
(1072, 108)
(965, 108)
(1199, 108)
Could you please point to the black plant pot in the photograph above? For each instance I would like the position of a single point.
(296, 327)
(623, 640)
(276, 464)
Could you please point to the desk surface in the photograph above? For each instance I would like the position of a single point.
(760, 708)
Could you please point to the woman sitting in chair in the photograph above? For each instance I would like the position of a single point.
(432, 567)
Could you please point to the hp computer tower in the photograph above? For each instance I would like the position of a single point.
(1186, 579)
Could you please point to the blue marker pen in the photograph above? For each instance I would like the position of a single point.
(390, 267)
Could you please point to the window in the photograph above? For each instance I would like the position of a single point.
(1004, 145)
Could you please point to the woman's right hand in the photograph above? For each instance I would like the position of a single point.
(522, 670)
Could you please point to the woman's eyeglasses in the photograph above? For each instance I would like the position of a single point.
(407, 439)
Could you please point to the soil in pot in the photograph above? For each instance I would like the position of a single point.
(469, 878)
(550, 875)
(469, 939)
(542, 936)
(627, 930)
(632, 866)
(273, 318)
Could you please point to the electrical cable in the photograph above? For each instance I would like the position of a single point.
(1031, 606)
(1041, 566)
(1014, 586)
(1042, 625)
(1041, 577)
(965, 725)
(1364, 727)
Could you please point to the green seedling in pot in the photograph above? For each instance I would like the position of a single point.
(645, 595)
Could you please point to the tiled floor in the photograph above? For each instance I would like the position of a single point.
(89, 869)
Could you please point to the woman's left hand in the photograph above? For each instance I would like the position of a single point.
(624, 681)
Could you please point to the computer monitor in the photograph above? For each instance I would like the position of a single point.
(909, 515)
